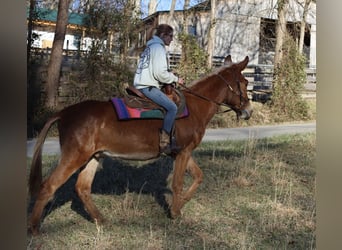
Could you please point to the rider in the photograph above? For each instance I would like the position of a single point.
(153, 72)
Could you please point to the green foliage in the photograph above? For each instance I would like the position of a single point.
(193, 64)
(289, 80)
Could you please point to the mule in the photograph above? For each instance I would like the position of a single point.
(90, 130)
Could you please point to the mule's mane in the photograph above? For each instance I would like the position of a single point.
(195, 83)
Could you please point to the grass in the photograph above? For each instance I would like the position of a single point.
(256, 194)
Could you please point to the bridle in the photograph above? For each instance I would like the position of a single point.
(238, 93)
(234, 92)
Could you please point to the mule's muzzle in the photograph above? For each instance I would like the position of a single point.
(245, 114)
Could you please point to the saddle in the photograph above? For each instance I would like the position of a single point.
(136, 99)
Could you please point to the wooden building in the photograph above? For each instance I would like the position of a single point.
(242, 28)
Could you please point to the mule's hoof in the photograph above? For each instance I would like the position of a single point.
(33, 230)
(100, 221)
(175, 215)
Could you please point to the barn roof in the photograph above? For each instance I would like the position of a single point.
(51, 16)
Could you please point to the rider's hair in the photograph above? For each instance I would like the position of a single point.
(163, 29)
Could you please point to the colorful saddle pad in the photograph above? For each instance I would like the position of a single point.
(127, 113)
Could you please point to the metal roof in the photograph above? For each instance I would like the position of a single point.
(51, 15)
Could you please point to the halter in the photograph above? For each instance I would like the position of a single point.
(239, 93)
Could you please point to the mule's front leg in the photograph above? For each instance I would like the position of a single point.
(197, 176)
(177, 185)
(186, 162)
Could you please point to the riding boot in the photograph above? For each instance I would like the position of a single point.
(166, 144)
(174, 147)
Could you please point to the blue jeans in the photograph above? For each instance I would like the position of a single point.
(157, 96)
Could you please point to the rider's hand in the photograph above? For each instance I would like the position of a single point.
(180, 81)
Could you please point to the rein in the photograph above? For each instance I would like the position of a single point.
(209, 100)
(218, 103)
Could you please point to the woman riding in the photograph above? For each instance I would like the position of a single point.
(151, 74)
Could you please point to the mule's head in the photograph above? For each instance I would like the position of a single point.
(236, 96)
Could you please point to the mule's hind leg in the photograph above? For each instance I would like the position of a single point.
(83, 189)
(58, 177)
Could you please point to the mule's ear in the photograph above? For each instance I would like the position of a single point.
(242, 65)
(228, 60)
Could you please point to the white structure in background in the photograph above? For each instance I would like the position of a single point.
(71, 42)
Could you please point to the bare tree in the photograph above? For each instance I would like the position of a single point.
(172, 11)
(303, 24)
(129, 12)
(211, 34)
(48, 4)
(185, 27)
(55, 62)
(152, 6)
(29, 29)
(280, 30)
(186, 14)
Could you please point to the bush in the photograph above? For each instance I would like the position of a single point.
(193, 64)
(289, 79)
(109, 82)
(105, 80)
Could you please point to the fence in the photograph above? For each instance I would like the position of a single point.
(260, 77)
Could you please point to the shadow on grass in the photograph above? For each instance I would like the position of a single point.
(116, 178)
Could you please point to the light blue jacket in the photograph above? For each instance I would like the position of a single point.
(152, 69)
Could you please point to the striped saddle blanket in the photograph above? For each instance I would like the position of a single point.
(125, 112)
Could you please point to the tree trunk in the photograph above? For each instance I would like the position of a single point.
(172, 11)
(152, 6)
(29, 30)
(56, 57)
(186, 14)
(185, 28)
(211, 35)
(302, 26)
(280, 31)
(124, 32)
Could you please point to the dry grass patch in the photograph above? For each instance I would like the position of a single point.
(256, 194)
(262, 115)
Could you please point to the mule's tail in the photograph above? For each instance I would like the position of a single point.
(36, 164)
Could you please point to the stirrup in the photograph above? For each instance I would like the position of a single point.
(171, 150)
(175, 149)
